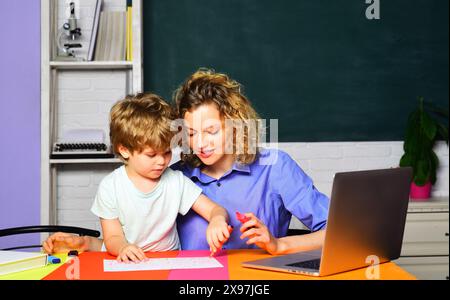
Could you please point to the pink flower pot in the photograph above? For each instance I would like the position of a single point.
(420, 193)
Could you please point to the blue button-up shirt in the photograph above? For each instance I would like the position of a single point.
(274, 188)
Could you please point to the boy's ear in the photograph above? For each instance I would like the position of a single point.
(124, 152)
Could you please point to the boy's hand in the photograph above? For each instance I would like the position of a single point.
(61, 242)
(132, 253)
(217, 233)
(258, 234)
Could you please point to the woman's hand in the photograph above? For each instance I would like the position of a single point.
(132, 253)
(217, 233)
(258, 234)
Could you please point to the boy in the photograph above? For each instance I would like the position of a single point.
(138, 203)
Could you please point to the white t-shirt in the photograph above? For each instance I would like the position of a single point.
(148, 219)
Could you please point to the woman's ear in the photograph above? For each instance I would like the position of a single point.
(124, 152)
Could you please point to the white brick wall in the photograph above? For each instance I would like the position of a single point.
(86, 97)
(76, 188)
(328, 158)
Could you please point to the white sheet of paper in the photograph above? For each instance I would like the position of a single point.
(162, 264)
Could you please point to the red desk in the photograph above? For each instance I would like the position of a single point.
(91, 268)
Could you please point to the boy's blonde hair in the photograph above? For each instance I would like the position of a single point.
(205, 87)
(141, 121)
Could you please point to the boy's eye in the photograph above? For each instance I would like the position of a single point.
(151, 155)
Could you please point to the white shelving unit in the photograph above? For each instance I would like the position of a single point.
(88, 65)
(85, 161)
(50, 70)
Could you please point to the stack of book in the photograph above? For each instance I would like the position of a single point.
(111, 38)
(15, 261)
(129, 32)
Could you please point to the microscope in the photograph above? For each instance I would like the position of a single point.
(67, 36)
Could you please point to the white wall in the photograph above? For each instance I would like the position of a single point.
(86, 97)
(322, 160)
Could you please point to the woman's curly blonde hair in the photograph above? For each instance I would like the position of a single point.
(206, 86)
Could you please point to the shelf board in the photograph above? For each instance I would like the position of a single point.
(80, 65)
(86, 161)
(435, 204)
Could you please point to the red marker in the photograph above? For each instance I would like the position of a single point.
(230, 229)
(242, 218)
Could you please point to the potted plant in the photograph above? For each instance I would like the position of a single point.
(423, 128)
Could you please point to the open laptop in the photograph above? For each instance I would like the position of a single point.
(366, 217)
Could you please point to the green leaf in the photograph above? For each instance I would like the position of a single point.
(412, 132)
(422, 172)
(434, 160)
(429, 126)
(434, 163)
(407, 160)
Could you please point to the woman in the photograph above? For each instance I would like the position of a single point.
(266, 184)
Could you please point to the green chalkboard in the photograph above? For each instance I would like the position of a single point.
(319, 66)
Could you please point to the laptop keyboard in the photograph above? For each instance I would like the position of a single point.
(309, 264)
